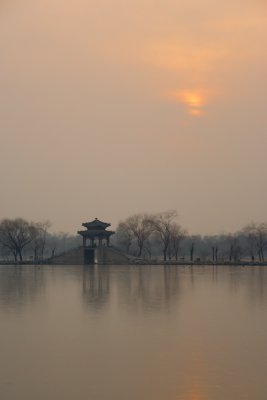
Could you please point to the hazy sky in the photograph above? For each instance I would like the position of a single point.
(109, 108)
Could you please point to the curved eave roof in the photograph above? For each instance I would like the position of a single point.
(96, 224)
(95, 233)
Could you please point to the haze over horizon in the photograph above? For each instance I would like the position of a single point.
(110, 108)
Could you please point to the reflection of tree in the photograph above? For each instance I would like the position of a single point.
(149, 287)
(257, 285)
(251, 280)
(137, 288)
(96, 285)
(20, 286)
(214, 273)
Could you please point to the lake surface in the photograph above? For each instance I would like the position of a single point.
(133, 333)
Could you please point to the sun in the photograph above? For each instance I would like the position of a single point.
(194, 102)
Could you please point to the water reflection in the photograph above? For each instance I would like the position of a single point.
(141, 332)
(136, 288)
(251, 281)
(20, 285)
(149, 288)
(146, 288)
(95, 286)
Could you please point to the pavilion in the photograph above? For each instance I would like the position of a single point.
(96, 234)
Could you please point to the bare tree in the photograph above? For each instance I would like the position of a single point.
(57, 243)
(191, 243)
(52, 244)
(124, 236)
(261, 239)
(192, 251)
(39, 241)
(177, 236)
(256, 237)
(234, 247)
(16, 234)
(250, 234)
(162, 223)
(147, 248)
(138, 227)
(213, 242)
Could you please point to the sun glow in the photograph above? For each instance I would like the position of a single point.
(194, 101)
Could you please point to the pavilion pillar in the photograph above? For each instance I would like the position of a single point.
(84, 241)
(108, 241)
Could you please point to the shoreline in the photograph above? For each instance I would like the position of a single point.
(145, 263)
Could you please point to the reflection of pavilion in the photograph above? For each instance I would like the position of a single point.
(96, 286)
(96, 233)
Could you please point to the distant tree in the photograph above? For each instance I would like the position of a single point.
(214, 247)
(192, 251)
(5, 253)
(234, 247)
(193, 244)
(57, 243)
(261, 239)
(256, 238)
(148, 248)
(40, 239)
(155, 244)
(162, 223)
(52, 245)
(16, 234)
(178, 234)
(137, 227)
(250, 234)
(124, 236)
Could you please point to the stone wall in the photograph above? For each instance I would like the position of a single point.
(71, 257)
(103, 255)
(108, 255)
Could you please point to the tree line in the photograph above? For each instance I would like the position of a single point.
(21, 239)
(144, 232)
(143, 235)
(160, 235)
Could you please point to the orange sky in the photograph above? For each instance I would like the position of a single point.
(110, 108)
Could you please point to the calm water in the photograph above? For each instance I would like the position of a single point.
(133, 333)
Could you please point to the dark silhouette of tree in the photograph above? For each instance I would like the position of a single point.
(40, 239)
(261, 239)
(234, 247)
(162, 223)
(178, 234)
(124, 236)
(16, 234)
(250, 234)
(138, 227)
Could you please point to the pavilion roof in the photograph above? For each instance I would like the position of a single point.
(96, 224)
(96, 233)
